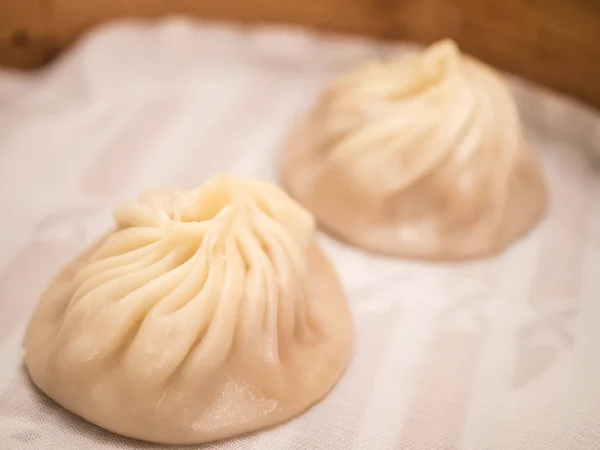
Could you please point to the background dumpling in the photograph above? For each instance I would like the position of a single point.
(204, 315)
(422, 157)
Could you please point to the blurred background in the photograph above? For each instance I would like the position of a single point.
(552, 42)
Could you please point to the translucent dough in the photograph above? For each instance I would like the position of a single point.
(203, 315)
(422, 157)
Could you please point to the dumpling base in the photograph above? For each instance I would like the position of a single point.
(353, 215)
(240, 396)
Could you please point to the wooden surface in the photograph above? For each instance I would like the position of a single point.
(553, 42)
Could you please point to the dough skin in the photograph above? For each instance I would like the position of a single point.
(204, 315)
(421, 157)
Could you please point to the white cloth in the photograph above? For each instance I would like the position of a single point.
(494, 354)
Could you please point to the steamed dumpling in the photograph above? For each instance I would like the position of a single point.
(204, 315)
(421, 157)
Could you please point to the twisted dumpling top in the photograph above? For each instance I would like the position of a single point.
(195, 254)
(203, 315)
(423, 155)
(393, 123)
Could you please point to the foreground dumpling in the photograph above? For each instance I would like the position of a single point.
(204, 315)
(421, 157)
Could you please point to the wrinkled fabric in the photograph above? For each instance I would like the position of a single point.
(452, 356)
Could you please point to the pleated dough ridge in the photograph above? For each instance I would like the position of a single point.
(403, 156)
(194, 294)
